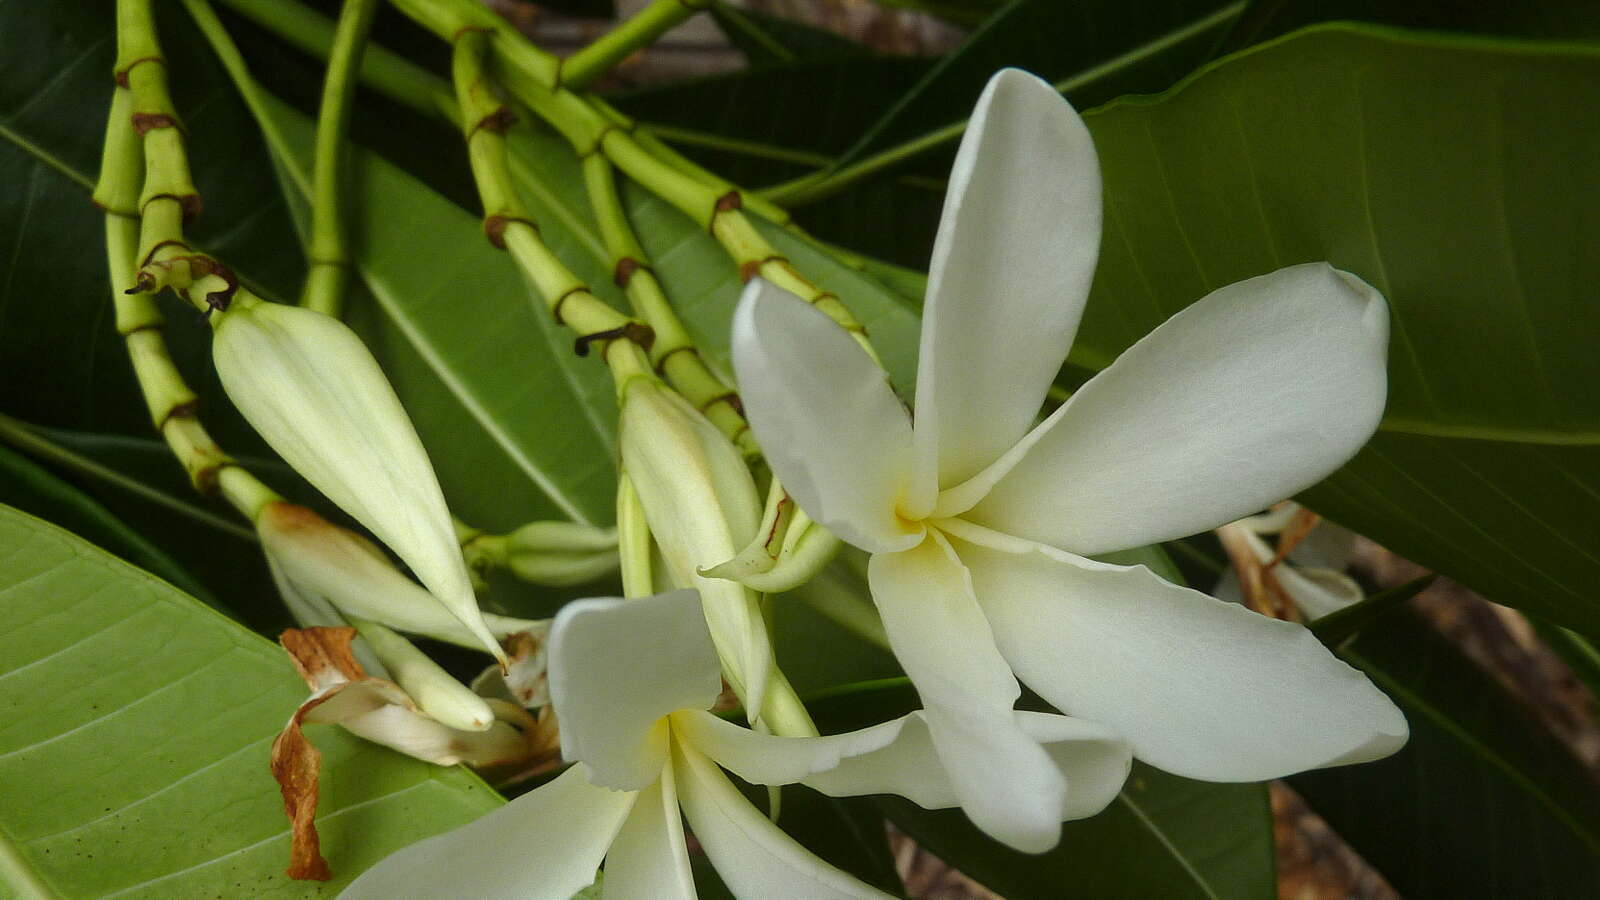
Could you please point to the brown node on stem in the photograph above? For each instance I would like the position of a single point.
(495, 123)
(749, 269)
(121, 75)
(661, 364)
(626, 266)
(727, 203)
(185, 410)
(143, 122)
(190, 203)
(731, 398)
(494, 228)
(638, 332)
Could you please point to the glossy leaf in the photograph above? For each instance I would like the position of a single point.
(133, 714)
(1558, 19)
(1095, 51)
(1444, 175)
(1483, 801)
(29, 487)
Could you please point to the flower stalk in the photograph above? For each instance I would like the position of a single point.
(328, 256)
(641, 30)
(506, 222)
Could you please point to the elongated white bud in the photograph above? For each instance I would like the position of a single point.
(702, 507)
(314, 392)
(321, 564)
(440, 696)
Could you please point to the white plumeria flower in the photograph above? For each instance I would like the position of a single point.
(631, 682)
(980, 526)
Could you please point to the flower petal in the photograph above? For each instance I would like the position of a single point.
(545, 845)
(769, 759)
(649, 859)
(1006, 782)
(828, 422)
(1255, 392)
(313, 391)
(1010, 273)
(753, 856)
(1094, 759)
(617, 668)
(1199, 687)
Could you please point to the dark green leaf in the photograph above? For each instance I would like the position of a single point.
(1483, 801)
(765, 39)
(1447, 174)
(1094, 50)
(134, 716)
(1560, 19)
(1163, 836)
(31, 488)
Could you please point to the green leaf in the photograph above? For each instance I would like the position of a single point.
(1559, 19)
(1444, 175)
(1482, 802)
(32, 488)
(133, 714)
(1093, 50)
(765, 39)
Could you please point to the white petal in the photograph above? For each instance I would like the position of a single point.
(1199, 687)
(649, 859)
(1007, 784)
(1255, 392)
(1010, 273)
(545, 845)
(1318, 591)
(828, 422)
(768, 759)
(755, 858)
(617, 669)
(311, 388)
(1093, 758)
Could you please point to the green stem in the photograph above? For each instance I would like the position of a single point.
(387, 72)
(621, 42)
(329, 259)
(673, 353)
(818, 185)
(506, 222)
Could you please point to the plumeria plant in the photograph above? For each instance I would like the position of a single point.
(620, 511)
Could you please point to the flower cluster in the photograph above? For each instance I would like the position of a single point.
(988, 531)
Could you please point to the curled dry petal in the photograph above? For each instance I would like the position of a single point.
(378, 710)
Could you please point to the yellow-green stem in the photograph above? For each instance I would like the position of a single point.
(329, 272)
(506, 222)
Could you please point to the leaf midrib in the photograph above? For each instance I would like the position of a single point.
(1166, 842)
(1511, 771)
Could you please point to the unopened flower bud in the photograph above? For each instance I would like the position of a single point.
(326, 571)
(557, 554)
(702, 507)
(314, 392)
